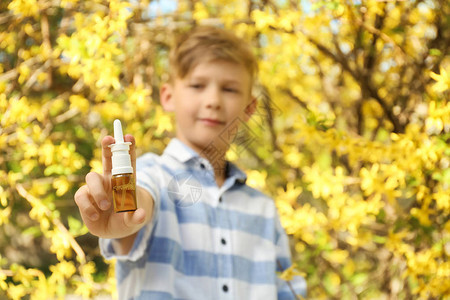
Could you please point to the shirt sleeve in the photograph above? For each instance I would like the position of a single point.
(147, 177)
(295, 288)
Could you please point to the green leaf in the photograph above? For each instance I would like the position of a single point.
(435, 52)
(34, 231)
(359, 279)
(76, 227)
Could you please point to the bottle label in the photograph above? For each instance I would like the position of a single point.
(125, 187)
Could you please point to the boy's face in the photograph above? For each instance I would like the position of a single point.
(208, 103)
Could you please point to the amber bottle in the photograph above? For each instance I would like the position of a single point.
(122, 181)
(124, 192)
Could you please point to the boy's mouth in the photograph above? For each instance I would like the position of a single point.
(211, 122)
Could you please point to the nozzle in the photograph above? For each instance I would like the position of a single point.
(118, 134)
(121, 161)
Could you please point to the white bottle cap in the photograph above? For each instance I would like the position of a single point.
(121, 161)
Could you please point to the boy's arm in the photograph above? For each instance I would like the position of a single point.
(123, 245)
(94, 200)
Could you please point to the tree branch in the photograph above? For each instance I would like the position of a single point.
(269, 118)
(295, 98)
(56, 221)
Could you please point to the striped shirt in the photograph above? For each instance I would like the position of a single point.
(204, 241)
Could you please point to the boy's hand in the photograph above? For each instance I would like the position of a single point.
(95, 201)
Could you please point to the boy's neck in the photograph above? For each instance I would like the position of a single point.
(220, 173)
(219, 164)
(215, 154)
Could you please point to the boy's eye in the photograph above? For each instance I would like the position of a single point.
(196, 85)
(231, 90)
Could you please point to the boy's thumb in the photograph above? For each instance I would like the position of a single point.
(134, 218)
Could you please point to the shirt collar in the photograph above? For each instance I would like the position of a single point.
(180, 151)
(183, 153)
(234, 171)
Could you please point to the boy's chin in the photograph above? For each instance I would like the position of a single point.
(210, 143)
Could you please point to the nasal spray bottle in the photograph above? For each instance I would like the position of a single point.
(122, 181)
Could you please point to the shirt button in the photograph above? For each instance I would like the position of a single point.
(225, 288)
(224, 242)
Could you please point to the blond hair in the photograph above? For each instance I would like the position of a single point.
(208, 43)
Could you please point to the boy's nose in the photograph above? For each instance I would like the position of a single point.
(214, 98)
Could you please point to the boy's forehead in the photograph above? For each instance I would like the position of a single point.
(225, 70)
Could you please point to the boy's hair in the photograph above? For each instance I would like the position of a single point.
(208, 43)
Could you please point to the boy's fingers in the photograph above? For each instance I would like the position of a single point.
(83, 201)
(97, 190)
(106, 154)
(130, 138)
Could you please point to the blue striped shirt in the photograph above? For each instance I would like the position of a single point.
(204, 241)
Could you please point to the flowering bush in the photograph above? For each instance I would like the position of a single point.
(351, 136)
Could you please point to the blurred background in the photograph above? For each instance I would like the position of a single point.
(351, 136)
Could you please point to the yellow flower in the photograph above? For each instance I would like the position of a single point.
(443, 80)
(290, 272)
(256, 179)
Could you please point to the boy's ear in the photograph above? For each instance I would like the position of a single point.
(166, 97)
(250, 109)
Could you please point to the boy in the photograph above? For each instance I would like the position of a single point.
(199, 231)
